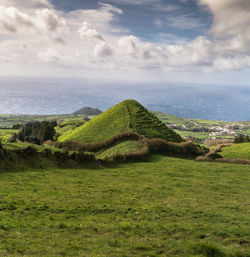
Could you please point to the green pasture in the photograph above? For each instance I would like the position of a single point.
(164, 207)
(237, 151)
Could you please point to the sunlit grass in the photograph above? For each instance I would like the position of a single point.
(165, 207)
(237, 151)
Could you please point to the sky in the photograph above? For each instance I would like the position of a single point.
(128, 41)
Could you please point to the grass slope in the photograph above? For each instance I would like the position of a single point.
(237, 151)
(166, 207)
(126, 116)
(124, 147)
(69, 125)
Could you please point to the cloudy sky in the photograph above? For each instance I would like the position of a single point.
(127, 40)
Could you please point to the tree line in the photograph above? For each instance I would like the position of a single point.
(36, 132)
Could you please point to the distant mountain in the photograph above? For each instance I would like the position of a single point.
(88, 111)
(127, 116)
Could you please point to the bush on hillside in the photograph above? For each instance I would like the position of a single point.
(157, 146)
(96, 147)
(30, 158)
(241, 139)
(184, 149)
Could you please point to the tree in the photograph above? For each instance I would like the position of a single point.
(47, 132)
(37, 132)
(241, 138)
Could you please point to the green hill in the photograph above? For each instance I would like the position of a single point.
(126, 116)
(88, 111)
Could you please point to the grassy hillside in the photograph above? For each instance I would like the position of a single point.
(145, 123)
(126, 116)
(166, 207)
(238, 151)
(69, 125)
(124, 147)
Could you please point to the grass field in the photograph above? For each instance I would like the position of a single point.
(165, 207)
(237, 151)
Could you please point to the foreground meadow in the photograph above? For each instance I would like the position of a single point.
(164, 207)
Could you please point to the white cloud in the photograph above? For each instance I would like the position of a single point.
(44, 20)
(49, 56)
(231, 17)
(26, 4)
(102, 50)
(135, 2)
(183, 22)
(158, 23)
(232, 63)
(42, 35)
(102, 18)
(11, 19)
(155, 5)
(87, 32)
(48, 20)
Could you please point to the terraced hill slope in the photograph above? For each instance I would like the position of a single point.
(126, 116)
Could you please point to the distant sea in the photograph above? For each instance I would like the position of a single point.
(63, 96)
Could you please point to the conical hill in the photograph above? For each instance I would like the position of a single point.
(126, 116)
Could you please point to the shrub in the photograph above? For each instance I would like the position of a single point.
(241, 139)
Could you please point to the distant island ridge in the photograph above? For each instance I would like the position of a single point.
(87, 111)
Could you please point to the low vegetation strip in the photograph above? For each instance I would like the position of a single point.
(149, 146)
(100, 146)
(31, 158)
(84, 154)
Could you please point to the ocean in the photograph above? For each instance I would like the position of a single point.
(63, 96)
